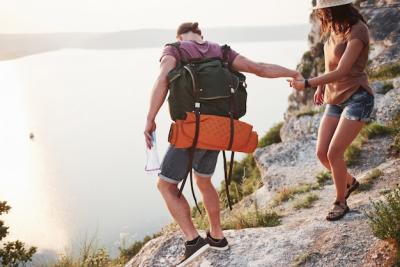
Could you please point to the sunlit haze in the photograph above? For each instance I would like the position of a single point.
(26, 16)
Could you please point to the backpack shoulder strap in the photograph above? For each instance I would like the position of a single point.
(225, 50)
(177, 46)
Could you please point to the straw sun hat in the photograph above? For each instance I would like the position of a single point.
(331, 3)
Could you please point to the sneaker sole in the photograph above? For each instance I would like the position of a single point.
(194, 256)
(219, 248)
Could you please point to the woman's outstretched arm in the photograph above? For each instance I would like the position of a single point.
(350, 56)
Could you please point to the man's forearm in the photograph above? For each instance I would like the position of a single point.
(275, 71)
(158, 96)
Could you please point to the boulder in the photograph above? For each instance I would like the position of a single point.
(288, 163)
(298, 128)
(387, 106)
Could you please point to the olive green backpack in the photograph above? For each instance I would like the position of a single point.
(211, 87)
(221, 90)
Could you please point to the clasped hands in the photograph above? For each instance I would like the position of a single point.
(298, 83)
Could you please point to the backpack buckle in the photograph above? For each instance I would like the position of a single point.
(197, 105)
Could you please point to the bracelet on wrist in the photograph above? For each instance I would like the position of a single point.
(306, 83)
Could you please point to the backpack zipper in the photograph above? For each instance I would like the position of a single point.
(207, 98)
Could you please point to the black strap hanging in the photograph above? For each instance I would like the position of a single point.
(225, 51)
(177, 46)
(192, 149)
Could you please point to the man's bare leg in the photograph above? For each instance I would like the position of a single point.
(211, 204)
(178, 207)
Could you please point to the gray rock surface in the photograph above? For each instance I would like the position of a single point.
(387, 106)
(288, 163)
(303, 234)
(299, 128)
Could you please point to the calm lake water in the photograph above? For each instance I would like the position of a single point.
(83, 172)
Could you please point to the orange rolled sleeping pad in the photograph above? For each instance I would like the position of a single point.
(214, 134)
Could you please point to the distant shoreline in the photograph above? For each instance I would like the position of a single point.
(14, 46)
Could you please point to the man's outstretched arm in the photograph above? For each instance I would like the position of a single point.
(265, 70)
(158, 95)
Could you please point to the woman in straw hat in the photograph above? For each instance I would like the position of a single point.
(344, 88)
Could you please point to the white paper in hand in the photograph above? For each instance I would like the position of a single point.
(153, 163)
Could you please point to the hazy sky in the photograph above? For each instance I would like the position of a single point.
(29, 16)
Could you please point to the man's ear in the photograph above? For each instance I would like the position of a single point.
(179, 37)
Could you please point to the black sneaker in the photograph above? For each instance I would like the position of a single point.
(217, 244)
(192, 251)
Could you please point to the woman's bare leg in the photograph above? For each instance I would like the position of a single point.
(346, 132)
(326, 131)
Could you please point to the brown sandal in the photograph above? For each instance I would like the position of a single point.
(352, 187)
(338, 211)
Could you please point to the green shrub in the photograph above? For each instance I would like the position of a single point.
(245, 169)
(323, 177)
(310, 112)
(395, 125)
(90, 256)
(235, 193)
(320, 63)
(286, 193)
(367, 183)
(306, 202)
(385, 72)
(252, 219)
(200, 220)
(250, 185)
(301, 259)
(12, 254)
(272, 136)
(246, 179)
(374, 129)
(306, 65)
(125, 254)
(387, 86)
(395, 147)
(353, 152)
(369, 131)
(384, 218)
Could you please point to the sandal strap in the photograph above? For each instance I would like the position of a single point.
(338, 207)
(353, 182)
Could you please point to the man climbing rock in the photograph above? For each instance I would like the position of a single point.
(192, 46)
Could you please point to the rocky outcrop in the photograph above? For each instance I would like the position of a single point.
(304, 237)
(388, 105)
(384, 23)
(383, 18)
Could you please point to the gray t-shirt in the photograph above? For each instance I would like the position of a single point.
(193, 50)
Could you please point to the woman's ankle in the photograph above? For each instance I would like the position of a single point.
(341, 201)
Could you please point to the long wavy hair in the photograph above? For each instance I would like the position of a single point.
(338, 19)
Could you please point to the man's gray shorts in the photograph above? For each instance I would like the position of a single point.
(174, 165)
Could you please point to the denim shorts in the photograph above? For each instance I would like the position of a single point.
(357, 108)
(174, 164)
